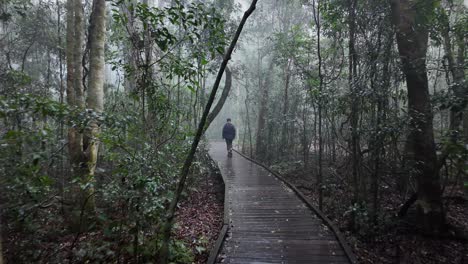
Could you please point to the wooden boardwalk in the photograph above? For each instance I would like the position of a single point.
(268, 223)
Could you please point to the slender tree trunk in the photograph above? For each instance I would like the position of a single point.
(249, 130)
(95, 98)
(70, 38)
(261, 143)
(131, 53)
(305, 143)
(77, 157)
(60, 133)
(74, 100)
(458, 84)
(26, 52)
(316, 12)
(314, 140)
(333, 137)
(375, 141)
(284, 132)
(352, 79)
(465, 139)
(248, 121)
(457, 73)
(382, 97)
(78, 54)
(49, 72)
(412, 39)
(244, 135)
(462, 43)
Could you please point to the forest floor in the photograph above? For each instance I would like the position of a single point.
(200, 216)
(392, 240)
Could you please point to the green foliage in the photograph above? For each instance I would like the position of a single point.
(445, 99)
(29, 157)
(293, 44)
(189, 36)
(11, 8)
(362, 219)
(144, 171)
(456, 151)
(144, 135)
(334, 16)
(180, 253)
(425, 12)
(134, 192)
(16, 79)
(23, 159)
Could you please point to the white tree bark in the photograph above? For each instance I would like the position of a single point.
(95, 96)
(78, 54)
(97, 34)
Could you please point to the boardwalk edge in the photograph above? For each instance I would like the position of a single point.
(343, 243)
(223, 232)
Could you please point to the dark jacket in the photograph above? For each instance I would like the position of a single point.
(229, 131)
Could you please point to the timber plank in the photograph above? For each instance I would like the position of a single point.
(268, 221)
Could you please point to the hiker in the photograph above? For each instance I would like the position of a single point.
(229, 133)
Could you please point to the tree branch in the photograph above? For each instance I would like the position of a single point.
(166, 230)
(222, 99)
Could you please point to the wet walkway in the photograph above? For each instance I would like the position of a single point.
(268, 222)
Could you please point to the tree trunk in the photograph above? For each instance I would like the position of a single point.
(247, 114)
(410, 20)
(222, 99)
(333, 137)
(316, 13)
(304, 141)
(352, 79)
(456, 70)
(74, 38)
(78, 54)
(382, 98)
(465, 136)
(76, 157)
(95, 98)
(70, 38)
(60, 134)
(284, 132)
(248, 122)
(462, 43)
(260, 148)
(131, 53)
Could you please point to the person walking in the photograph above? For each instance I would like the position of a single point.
(229, 133)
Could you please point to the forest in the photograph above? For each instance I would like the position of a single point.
(109, 109)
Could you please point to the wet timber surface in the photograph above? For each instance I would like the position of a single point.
(268, 223)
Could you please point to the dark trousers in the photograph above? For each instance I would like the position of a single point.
(229, 145)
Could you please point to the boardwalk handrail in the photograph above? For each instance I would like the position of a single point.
(222, 233)
(342, 241)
